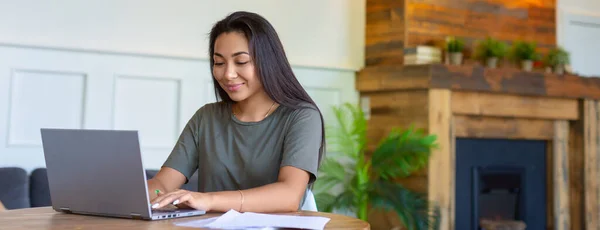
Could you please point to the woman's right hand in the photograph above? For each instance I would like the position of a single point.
(183, 199)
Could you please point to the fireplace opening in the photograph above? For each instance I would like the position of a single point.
(500, 184)
(497, 191)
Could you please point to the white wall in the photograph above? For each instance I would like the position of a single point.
(315, 33)
(141, 65)
(578, 31)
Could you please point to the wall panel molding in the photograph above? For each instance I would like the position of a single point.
(58, 96)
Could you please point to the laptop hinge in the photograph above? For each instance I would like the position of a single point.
(136, 215)
(67, 210)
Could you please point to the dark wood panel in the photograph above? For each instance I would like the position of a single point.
(576, 170)
(549, 186)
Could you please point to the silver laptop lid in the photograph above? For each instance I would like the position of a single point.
(97, 172)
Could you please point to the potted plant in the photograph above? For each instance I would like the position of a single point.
(557, 58)
(524, 53)
(454, 50)
(367, 182)
(490, 50)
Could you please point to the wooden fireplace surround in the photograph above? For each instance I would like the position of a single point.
(472, 101)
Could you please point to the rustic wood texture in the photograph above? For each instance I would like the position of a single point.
(389, 110)
(476, 78)
(384, 41)
(392, 25)
(46, 218)
(591, 116)
(487, 104)
(576, 170)
(560, 157)
(441, 163)
(550, 185)
(391, 78)
(430, 21)
(503, 127)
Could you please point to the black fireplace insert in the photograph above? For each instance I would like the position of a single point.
(500, 180)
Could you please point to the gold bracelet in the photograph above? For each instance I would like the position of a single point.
(241, 203)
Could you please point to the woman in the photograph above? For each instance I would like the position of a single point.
(257, 149)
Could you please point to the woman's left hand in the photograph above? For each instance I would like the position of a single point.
(195, 200)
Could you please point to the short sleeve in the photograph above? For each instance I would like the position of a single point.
(184, 156)
(302, 142)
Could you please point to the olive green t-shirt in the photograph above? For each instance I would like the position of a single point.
(230, 154)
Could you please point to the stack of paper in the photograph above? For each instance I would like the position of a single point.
(235, 220)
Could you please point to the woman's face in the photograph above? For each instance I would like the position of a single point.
(234, 68)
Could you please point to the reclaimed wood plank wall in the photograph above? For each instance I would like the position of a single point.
(392, 25)
(384, 40)
(396, 109)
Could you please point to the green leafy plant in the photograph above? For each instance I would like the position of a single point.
(454, 45)
(522, 51)
(489, 48)
(362, 182)
(557, 57)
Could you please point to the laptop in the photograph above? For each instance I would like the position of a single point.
(100, 172)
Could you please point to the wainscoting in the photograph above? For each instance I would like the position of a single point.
(59, 88)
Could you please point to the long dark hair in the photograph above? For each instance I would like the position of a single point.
(272, 66)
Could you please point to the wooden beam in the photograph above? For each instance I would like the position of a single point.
(476, 78)
(591, 175)
(382, 78)
(502, 127)
(576, 171)
(487, 104)
(561, 175)
(441, 163)
(549, 185)
(514, 81)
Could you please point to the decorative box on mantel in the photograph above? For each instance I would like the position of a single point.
(514, 146)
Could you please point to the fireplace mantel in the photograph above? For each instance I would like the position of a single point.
(478, 79)
(476, 102)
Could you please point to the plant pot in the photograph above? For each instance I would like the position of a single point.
(491, 62)
(527, 65)
(455, 58)
(559, 69)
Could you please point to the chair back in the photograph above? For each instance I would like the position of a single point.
(14, 188)
(39, 190)
(310, 204)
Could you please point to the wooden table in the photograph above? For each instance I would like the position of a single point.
(47, 218)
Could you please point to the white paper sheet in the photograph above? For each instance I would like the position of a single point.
(235, 220)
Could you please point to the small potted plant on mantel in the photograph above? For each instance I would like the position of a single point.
(525, 54)
(557, 58)
(454, 50)
(490, 51)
